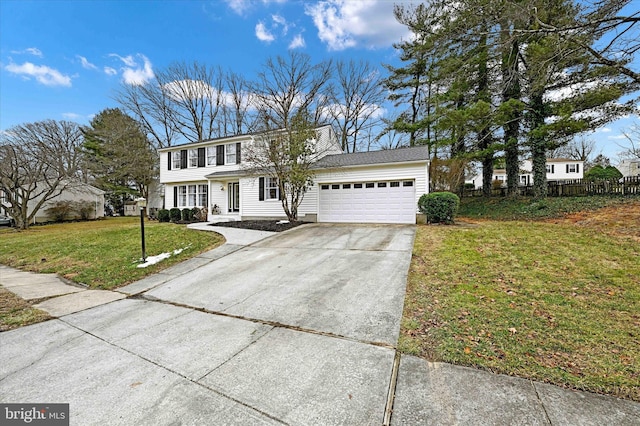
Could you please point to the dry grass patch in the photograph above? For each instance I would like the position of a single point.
(16, 312)
(552, 302)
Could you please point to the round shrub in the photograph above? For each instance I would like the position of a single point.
(187, 215)
(175, 214)
(439, 207)
(163, 215)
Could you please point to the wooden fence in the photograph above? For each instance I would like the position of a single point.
(573, 188)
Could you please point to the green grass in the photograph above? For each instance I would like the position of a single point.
(101, 254)
(527, 208)
(552, 302)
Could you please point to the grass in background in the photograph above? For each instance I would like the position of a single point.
(556, 303)
(101, 254)
(528, 208)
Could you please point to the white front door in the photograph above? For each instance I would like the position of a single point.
(368, 202)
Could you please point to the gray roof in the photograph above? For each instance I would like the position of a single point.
(400, 155)
(385, 156)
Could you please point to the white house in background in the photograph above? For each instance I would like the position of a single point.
(629, 168)
(558, 170)
(375, 187)
(77, 192)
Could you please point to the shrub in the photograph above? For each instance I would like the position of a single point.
(84, 209)
(175, 214)
(60, 211)
(163, 215)
(187, 215)
(439, 207)
(496, 184)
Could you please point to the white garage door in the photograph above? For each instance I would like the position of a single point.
(371, 202)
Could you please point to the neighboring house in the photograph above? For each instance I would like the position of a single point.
(558, 170)
(375, 187)
(80, 192)
(629, 168)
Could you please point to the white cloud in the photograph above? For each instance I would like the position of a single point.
(604, 129)
(343, 24)
(239, 6)
(30, 50)
(85, 63)
(616, 137)
(263, 34)
(138, 75)
(42, 73)
(280, 21)
(128, 60)
(133, 73)
(298, 41)
(71, 115)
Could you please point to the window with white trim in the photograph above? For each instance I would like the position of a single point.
(551, 168)
(182, 196)
(572, 168)
(193, 158)
(230, 153)
(202, 195)
(175, 158)
(211, 156)
(192, 195)
(271, 190)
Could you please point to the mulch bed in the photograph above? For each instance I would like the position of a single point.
(260, 225)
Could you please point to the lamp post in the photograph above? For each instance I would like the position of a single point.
(142, 203)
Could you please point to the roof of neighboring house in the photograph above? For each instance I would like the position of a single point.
(400, 155)
(385, 156)
(221, 139)
(563, 160)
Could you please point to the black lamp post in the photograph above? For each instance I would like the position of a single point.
(142, 203)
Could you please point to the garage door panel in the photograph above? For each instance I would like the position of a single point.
(369, 202)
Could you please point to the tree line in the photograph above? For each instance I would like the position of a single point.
(485, 80)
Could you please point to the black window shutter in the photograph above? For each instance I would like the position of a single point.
(238, 149)
(175, 196)
(201, 154)
(577, 168)
(567, 168)
(220, 155)
(169, 160)
(552, 167)
(183, 159)
(261, 189)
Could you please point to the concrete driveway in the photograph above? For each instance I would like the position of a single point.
(344, 280)
(281, 334)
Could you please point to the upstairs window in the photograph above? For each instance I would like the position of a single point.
(175, 159)
(573, 168)
(193, 158)
(230, 152)
(211, 156)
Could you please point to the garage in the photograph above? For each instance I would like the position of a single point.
(389, 201)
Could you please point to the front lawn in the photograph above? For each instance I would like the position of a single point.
(104, 253)
(554, 302)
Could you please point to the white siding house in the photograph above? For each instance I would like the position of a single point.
(380, 186)
(629, 168)
(558, 170)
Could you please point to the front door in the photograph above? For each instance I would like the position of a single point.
(234, 197)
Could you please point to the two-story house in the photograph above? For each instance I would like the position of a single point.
(376, 187)
(558, 170)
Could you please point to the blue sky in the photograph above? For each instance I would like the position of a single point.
(65, 59)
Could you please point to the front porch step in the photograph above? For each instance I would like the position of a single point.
(223, 218)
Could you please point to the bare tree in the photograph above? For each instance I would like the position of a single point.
(632, 148)
(286, 157)
(38, 161)
(580, 148)
(357, 100)
(192, 102)
(287, 85)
